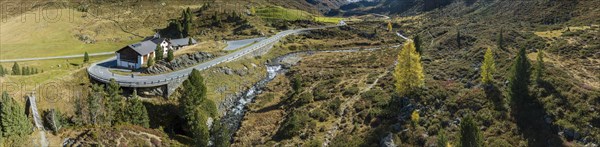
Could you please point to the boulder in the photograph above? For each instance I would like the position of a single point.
(387, 141)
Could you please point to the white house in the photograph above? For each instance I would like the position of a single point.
(134, 56)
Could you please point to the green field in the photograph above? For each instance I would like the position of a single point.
(276, 12)
(328, 19)
(30, 35)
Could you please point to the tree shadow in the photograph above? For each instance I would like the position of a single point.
(167, 117)
(495, 95)
(530, 119)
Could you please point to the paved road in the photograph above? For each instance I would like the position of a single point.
(236, 44)
(57, 57)
(100, 71)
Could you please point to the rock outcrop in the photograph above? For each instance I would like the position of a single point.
(181, 62)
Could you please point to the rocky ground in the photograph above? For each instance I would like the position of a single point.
(180, 62)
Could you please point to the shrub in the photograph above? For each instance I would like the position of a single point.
(319, 115)
(470, 135)
(293, 125)
(305, 98)
(351, 91)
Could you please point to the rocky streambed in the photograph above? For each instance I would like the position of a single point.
(235, 111)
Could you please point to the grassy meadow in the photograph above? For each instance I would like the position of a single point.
(276, 12)
(29, 35)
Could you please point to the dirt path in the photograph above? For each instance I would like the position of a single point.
(332, 132)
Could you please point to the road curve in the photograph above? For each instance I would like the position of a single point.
(100, 71)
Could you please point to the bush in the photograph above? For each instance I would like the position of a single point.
(319, 115)
(334, 105)
(293, 125)
(305, 98)
(351, 91)
(320, 94)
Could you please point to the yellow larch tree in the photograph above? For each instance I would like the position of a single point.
(409, 71)
(488, 67)
(389, 26)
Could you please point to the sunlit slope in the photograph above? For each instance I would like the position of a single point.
(59, 32)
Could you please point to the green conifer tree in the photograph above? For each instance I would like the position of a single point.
(221, 135)
(160, 53)
(539, 69)
(1, 71)
(418, 48)
(12, 117)
(458, 39)
(196, 108)
(470, 136)
(518, 89)
(94, 101)
(150, 62)
(442, 140)
(170, 55)
(138, 115)
(86, 57)
(16, 70)
(115, 104)
(500, 40)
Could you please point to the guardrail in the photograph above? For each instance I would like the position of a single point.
(154, 83)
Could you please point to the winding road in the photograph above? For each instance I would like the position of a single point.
(101, 71)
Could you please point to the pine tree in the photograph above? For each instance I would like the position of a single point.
(442, 140)
(170, 55)
(138, 115)
(488, 67)
(179, 29)
(1, 71)
(160, 53)
(500, 40)
(519, 80)
(114, 106)
(190, 42)
(418, 48)
(94, 102)
(196, 108)
(539, 69)
(458, 41)
(389, 26)
(150, 62)
(12, 117)
(24, 71)
(409, 71)
(16, 70)
(470, 136)
(86, 57)
(221, 135)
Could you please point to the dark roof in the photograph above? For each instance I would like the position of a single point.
(148, 46)
(158, 40)
(142, 48)
(182, 41)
